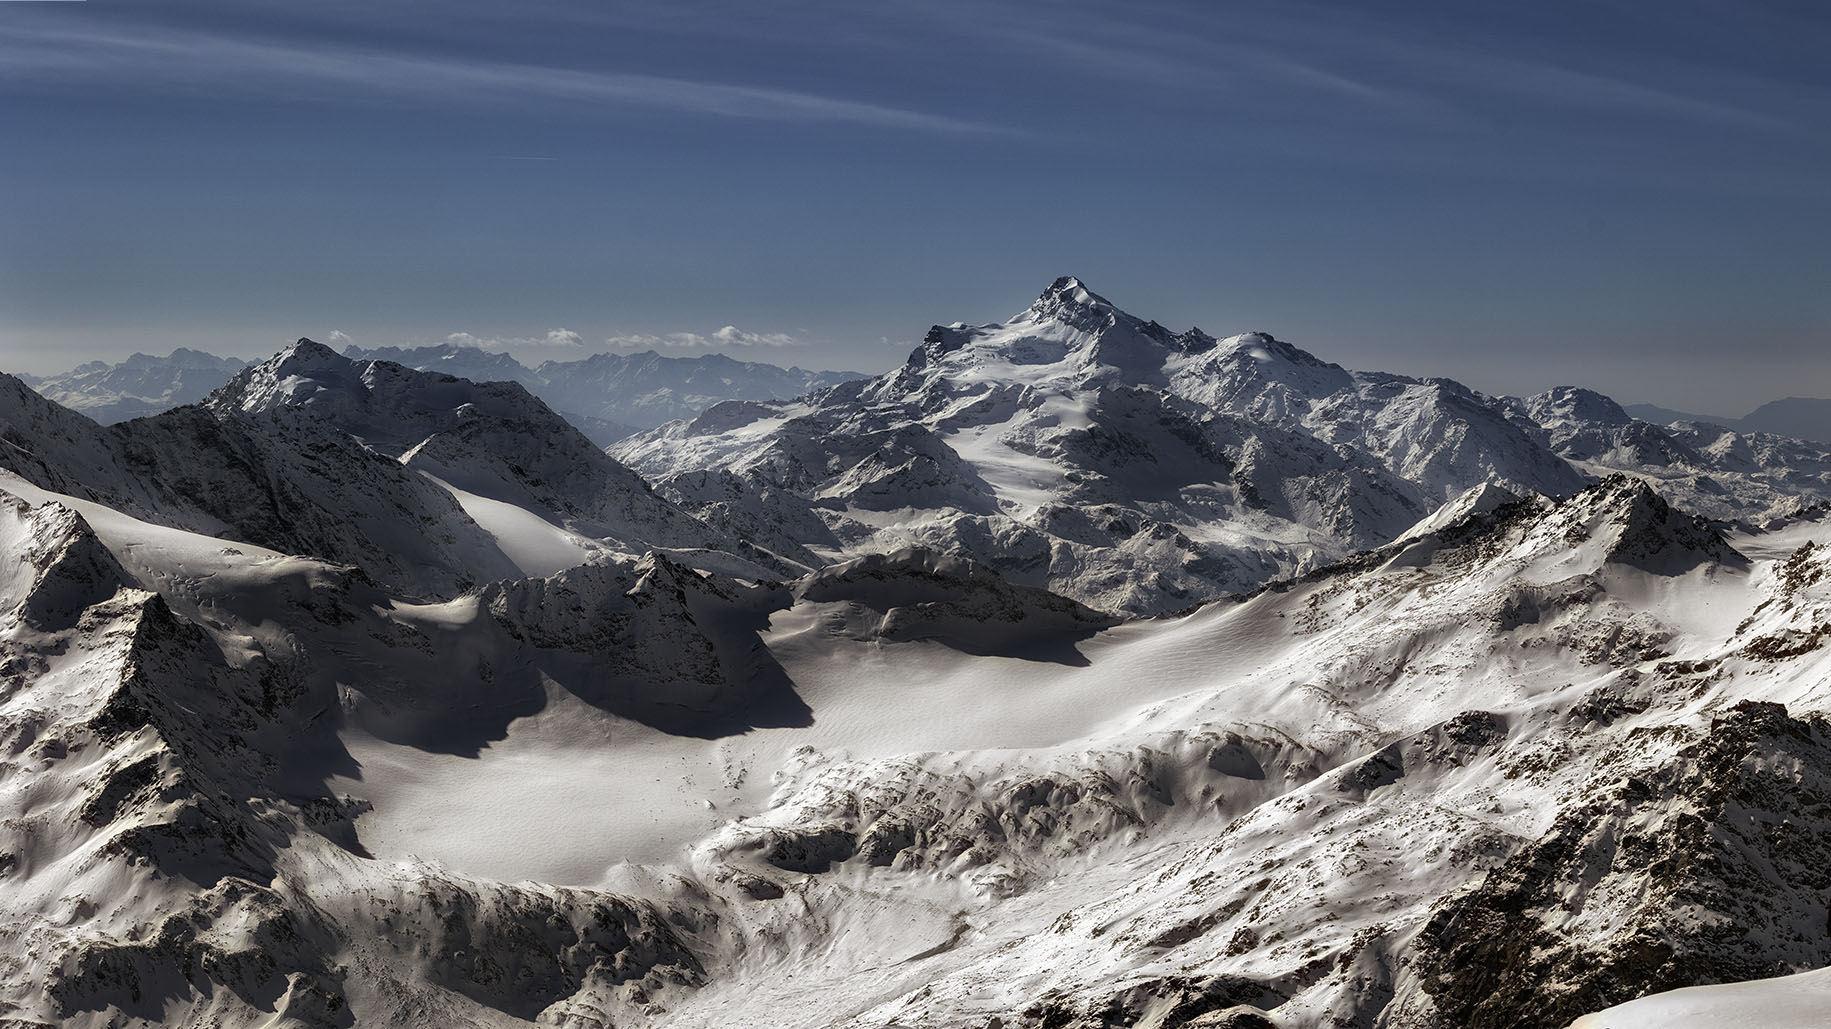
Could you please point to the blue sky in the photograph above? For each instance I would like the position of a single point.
(1631, 196)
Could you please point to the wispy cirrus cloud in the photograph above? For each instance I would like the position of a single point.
(729, 336)
(1329, 59)
(315, 70)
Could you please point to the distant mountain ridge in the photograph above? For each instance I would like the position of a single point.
(139, 386)
(1807, 418)
(609, 395)
(606, 396)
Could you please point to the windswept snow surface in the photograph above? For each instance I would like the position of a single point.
(572, 791)
(536, 546)
(1800, 1001)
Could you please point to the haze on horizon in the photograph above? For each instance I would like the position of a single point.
(1624, 196)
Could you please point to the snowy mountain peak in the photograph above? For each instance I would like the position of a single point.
(307, 349)
(1635, 526)
(1069, 292)
(288, 378)
(1562, 405)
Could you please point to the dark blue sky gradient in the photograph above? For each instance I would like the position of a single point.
(1626, 195)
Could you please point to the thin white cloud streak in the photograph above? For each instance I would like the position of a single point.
(202, 60)
(729, 336)
(1373, 62)
(555, 339)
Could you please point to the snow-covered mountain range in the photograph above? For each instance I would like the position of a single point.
(611, 395)
(139, 386)
(432, 484)
(1142, 470)
(607, 396)
(359, 695)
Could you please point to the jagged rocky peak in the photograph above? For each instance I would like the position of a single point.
(60, 567)
(1067, 298)
(1069, 338)
(1635, 526)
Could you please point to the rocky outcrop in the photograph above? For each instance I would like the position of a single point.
(1716, 867)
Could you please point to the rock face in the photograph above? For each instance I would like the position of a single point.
(1713, 867)
(916, 594)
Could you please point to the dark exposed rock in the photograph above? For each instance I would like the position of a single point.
(1714, 868)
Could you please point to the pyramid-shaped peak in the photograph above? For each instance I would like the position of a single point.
(1646, 532)
(305, 351)
(1069, 291)
(298, 371)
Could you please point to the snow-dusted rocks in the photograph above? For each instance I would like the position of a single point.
(916, 594)
(1713, 866)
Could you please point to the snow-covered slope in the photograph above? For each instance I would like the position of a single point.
(172, 854)
(908, 792)
(492, 440)
(139, 386)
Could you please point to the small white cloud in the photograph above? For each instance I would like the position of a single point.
(563, 338)
(729, 336)
(340, 338)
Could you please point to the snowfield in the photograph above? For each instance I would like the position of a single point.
(1076, 674)
(1800, 1001)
